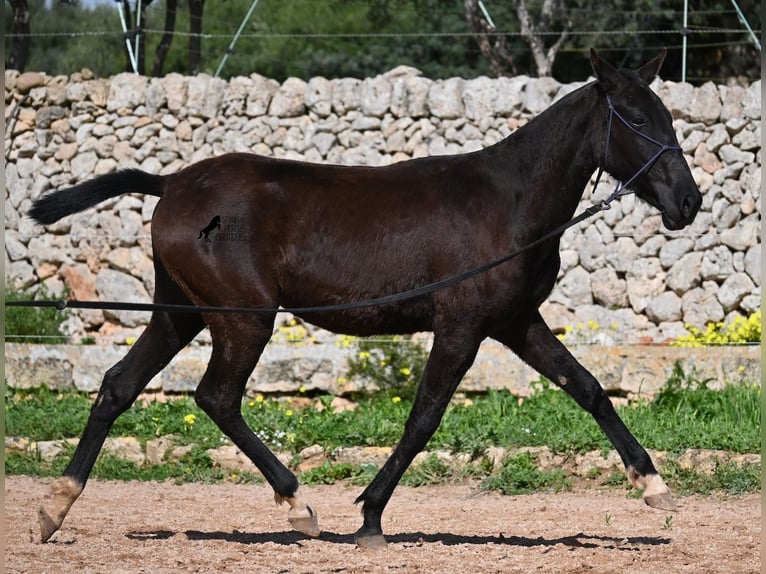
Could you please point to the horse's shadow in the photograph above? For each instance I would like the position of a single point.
(291, 537)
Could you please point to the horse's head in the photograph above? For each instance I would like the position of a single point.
(639, 145)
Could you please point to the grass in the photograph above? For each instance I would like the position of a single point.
(33, 324)
(685, 414)
(730, 478)
(519, 475)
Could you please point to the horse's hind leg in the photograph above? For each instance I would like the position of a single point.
(161, 340)
(542, 350)
(237, 344)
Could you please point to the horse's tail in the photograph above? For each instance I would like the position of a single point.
(53, 206)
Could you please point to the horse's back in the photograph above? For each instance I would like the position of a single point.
(301, 199)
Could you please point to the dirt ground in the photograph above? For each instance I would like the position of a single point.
(126, 528)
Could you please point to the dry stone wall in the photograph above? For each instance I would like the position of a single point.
(621, 270)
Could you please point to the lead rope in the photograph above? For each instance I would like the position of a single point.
(394, 298)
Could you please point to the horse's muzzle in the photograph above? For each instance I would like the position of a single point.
(687, 210)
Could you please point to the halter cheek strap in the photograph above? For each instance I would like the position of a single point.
(621, 188)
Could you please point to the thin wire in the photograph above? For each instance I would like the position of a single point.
(310, 340)
(328, 35)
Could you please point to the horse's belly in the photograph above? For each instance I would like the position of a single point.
(387, 319)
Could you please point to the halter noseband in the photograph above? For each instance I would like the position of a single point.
(621, 188)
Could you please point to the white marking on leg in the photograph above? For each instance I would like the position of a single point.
(655, 485)
(655, 492)
(64, 492)
(635, 478)
(301, 516)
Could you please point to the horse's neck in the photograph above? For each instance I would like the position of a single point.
(560, 150)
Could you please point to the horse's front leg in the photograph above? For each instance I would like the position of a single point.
(448, 362)
(543, 351)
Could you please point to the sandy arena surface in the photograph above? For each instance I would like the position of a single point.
(133, 527)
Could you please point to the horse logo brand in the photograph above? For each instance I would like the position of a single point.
(229, 228)
(215, 223)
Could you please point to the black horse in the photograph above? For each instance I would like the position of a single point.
(322, 235)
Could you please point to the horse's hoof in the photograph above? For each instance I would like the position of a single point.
(308, 525)
(661, 501)
(371, 542)
(48, 525)
(301, 516)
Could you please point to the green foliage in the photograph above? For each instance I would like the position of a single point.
(734, 478)
(731, 477)
(330, 473)
(547, 418)
(181, 418)
(520, 475)
(282, 426)
(361, 38)
(42, 414)
(104, 54)
(33, 465)
(740, 330)
(432, 470)
(33, 324)
(685, 414)
(393, 364)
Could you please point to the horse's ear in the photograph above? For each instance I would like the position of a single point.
(649, 71)
(607, 75)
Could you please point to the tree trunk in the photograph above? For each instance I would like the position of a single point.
(167, 38)
(491, 46)
(17, 59)
(139, 33)
(533, 35)
(195, 38)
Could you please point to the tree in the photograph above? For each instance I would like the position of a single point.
(362, 38)
(196, 8)
(492, 46)
(17, 58)
(551, 13)
(167, 37)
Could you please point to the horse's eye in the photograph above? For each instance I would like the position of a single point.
(638, 122)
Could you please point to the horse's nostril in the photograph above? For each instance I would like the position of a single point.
(687, 206)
